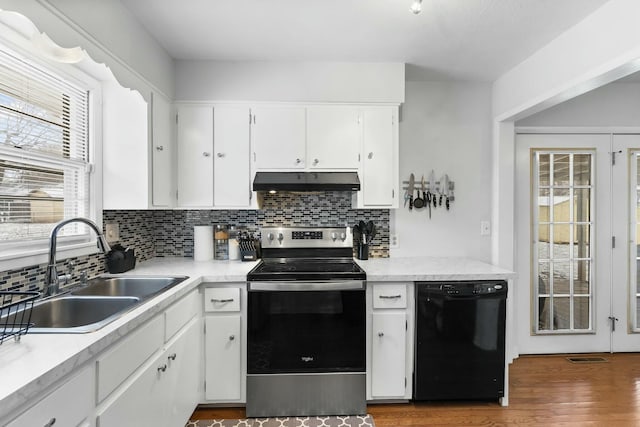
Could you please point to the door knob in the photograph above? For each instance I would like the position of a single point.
(162, 368)
(220, 155)
(232, 337)
(370, 156)
(315, 162)
(159, 148)
(380, 334)
(206, 154)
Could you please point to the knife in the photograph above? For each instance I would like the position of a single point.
(412, 180)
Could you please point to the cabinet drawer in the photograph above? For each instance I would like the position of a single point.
(118, 364)
(56, 408)
(180, 313)
(390, 296)
(222, 299)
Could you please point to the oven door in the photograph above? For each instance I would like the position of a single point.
(306, 327)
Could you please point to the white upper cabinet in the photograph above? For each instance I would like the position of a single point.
(136, 150)
(231, 163)
(162, 152)
(278, 137)
(379, 173)
(334, 137)
(195, 156)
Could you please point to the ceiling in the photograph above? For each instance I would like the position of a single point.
(476, 40)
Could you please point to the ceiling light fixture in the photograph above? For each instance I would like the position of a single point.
(416, 7)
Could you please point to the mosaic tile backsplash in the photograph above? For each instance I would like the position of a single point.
(159, 233)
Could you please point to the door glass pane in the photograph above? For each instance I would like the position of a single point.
(543, 168)
(561, 205)
(562, 216)
(581, 314)
(561, 313)
(561, 171)
(581, 206)
(561, 278)
(581, 169)
(582, 277)
(561, 241)
(543, 241)
(544, 315)
(581, 246)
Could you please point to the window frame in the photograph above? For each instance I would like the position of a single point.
(15, 255)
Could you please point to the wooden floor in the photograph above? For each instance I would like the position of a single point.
(545, 391)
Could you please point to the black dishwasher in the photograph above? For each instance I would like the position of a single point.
(460, 340)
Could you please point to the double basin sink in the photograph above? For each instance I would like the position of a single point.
(94, 305)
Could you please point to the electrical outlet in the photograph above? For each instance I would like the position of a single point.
(393, 241)
(112, 231)
(485, 228)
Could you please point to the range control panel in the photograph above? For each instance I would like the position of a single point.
(306, 237)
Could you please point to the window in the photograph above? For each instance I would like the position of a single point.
(562, 228)
(44, 164)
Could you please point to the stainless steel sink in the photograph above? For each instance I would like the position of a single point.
(94, 305)
(73, 314)
(135, 286)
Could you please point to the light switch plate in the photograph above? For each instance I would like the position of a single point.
(112, 231)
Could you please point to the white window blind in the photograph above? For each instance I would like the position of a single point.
(43, 151)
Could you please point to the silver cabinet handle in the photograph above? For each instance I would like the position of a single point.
(390, 296)
(315, 162)
(380, 334)
(159, 148)
(220, 155)
(162, 368)
(172, 356)
(51, 422)
(221, 300)
(232, 337)
(206, 154)
(370, 156)
(298, 161)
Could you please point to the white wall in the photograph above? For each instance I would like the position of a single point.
(290, 81)
(613, 105)
(110, 35)
(446, 126)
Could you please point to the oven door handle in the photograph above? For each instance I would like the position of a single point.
(306, 286)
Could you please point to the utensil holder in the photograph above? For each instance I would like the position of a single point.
(363, 251)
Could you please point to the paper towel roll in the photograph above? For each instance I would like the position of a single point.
(203, 242)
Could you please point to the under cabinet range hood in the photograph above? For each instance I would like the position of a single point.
(306, 181)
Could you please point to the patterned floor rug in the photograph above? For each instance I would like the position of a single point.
(333, 421)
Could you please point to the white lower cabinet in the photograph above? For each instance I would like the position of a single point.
(390, 341)
(222, 347)
(56, 408)
(164, 392)
(224, 343)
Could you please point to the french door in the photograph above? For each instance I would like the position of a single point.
(577, 238)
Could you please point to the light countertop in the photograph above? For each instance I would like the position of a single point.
(38, 361)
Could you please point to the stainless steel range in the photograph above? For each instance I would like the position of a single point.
(306, 325)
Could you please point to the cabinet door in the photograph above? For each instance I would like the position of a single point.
(333, 137)
(143, 402)
(161, 152)
(388, 344)
(56, 408)
(278, 137)
(223, 358)
(232, 162)
(195, 156)
(125, 149)
(184, 374)
(379, 173)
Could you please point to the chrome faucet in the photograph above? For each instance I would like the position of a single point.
(52, 282)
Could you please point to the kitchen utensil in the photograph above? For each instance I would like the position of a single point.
(432, 188)
(371, 231)
(445, 187)
(418, 203)
(412, 180)
(363, 231)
